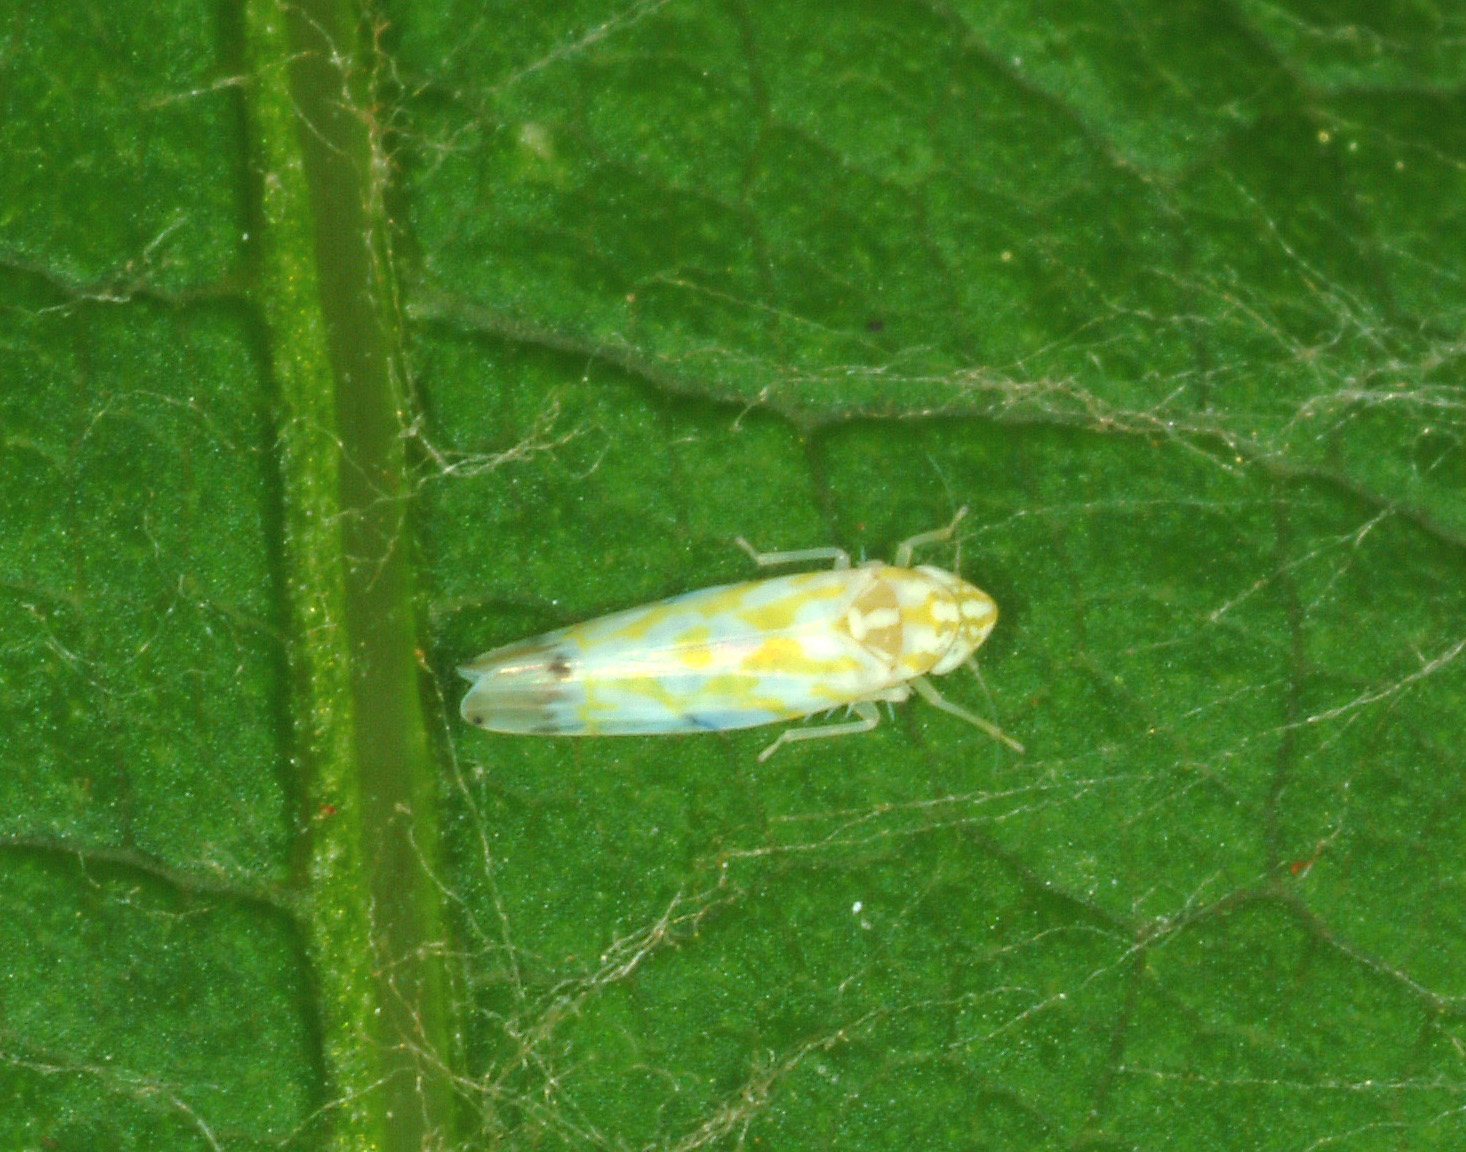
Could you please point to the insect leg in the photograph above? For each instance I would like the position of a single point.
(925, 690)
(936, 536)
(869, 718)
(802, 556)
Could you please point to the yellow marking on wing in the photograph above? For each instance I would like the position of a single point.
(727, 689)
(648, 686)
(693, 648)
(743, 690)
(705, 607)
(785, 656)
(607, 701)
(733, 600)
(780, 614)
(645, 621)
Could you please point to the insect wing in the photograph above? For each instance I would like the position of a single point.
(734, 656)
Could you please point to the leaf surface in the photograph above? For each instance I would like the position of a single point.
(340, 346)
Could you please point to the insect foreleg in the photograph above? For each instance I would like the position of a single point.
(935, 536)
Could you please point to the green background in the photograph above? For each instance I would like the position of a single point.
(1171, 296)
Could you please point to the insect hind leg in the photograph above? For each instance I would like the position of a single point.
(928, 693)
(865, 709)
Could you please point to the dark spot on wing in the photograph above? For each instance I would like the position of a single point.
(559, 667)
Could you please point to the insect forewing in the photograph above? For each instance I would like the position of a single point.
(734, 656)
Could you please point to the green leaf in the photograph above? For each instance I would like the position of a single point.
(342, 344)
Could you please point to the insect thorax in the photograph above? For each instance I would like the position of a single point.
(919, 620)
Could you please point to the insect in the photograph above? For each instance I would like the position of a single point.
(742, 655)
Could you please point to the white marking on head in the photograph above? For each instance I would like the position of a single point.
(856, 623)
(944, 612)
